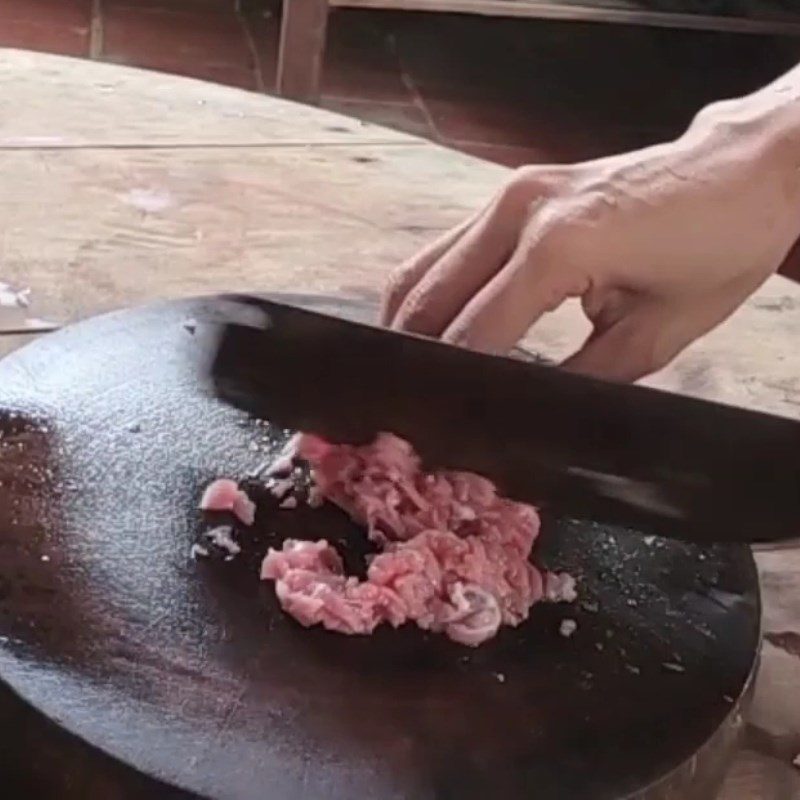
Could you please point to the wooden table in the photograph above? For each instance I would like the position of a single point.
(304, 24)
(121, 186)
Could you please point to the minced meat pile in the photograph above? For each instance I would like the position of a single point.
(454, 555)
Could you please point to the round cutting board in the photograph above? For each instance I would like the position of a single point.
(188, 671)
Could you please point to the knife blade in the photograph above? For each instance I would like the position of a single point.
(628, 455)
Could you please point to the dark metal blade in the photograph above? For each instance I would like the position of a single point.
(613, 453)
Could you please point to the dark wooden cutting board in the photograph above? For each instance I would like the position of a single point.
(190, 673)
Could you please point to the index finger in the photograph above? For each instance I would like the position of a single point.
(414, 270)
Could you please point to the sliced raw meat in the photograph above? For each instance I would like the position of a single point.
(244, 509)
(455, 555)
(311, 586)
(219, 495)
(224, 494)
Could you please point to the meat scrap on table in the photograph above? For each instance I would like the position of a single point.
(225, 495)
(454, 554)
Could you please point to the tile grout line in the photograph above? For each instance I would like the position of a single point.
(96, 32)
(365, 101)
(416, 96)
(476, 143)
(252, 46)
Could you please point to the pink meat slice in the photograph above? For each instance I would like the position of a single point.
(455, 555)
(224, 494)
(311, 586)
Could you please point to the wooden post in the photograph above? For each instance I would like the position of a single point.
(302, 49)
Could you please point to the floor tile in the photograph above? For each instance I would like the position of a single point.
(225, 74)
(196, 6)
(400, 116)
(54, 26)
(561, 137)
(68, 40)
(507, 155)
(791, 267)
(156, 37)
(263, 29)
(360, 61)
(71, 13)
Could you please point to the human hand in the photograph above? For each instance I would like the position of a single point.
(660, 244)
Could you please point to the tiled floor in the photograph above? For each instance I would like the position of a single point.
(507, 90)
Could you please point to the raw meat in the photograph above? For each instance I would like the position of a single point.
(559, 588)
(224, 494)
(455, 555)
(219, 495)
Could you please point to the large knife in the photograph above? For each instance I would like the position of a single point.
(629, 455)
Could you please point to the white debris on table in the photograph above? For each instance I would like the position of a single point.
(280, 487)
(14, 298)
(315, 497)
(198, 551)
(285, 459)
(559, 587)
(222, 537)
(568, 627)
(14, 308)
(281, 464)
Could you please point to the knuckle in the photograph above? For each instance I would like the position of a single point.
(526, 175)
(417, 314)
(391, 300)
(713, 112)
(512, 199)
(527, 184)
(552, 297)
(533, 193)
(398, 283)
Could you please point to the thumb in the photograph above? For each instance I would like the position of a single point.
(637, 344)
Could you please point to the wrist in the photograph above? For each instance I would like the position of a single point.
(752, 145)
(763, 127)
